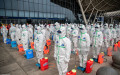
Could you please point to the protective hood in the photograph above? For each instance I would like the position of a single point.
(57, 25)
(106, 25)
(111, 26)
(11, 25)
(38, 29)
(82, 29)
(16, 25)
(24, 26)
(62, 32)
(97, 27)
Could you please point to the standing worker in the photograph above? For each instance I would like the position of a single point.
(24, 37)
(62, 51)
(38, 42)
(84, 45)
(97, 42)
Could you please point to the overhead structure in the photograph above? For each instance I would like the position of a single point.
(91, 8)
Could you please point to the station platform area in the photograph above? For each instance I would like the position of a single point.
(14, 63)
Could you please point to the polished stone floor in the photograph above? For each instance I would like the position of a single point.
(14, 63)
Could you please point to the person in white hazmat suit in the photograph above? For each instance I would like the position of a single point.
(4, 33)
(18, 34)
(92, 30)
(97, 42)
(117, 32)
(69, 31)
(38, 42)
(47, 32)
(84, 45)
(62, 51)
(24, 37)
(30, 33)
(57, 27)
(74, 37)
(12, 32)
(43, 30)
(113, 35)
(106, 38)
(35, 30)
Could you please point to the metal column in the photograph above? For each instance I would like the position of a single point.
(83, 14)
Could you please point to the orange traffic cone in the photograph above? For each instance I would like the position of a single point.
(46, 49)
(101, 58)
(20, 47)
(32, 45)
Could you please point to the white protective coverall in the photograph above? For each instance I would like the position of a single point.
(62, 51)
(74, 37)
(117, 32)
(30, 33)
(92, 30)
(69, 31)
(38, 42)
(84, 45)
(113, 35)
(106, 37)
(97, 41)
(24, 37)
(47, 32)
(43, 30)
(12, 32)
(4, 33)
(18, 34)
(57, 27)
(35, 30)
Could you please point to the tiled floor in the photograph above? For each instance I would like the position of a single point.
(13, 63)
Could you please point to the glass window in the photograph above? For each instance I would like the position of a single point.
(30, 0)
(15, 13)
(44, 8)
(25, 0)
(14, 4)
(41, 14)
(26, 6)
(8, 4)
(45, 15)
(40, 1)
(48, 2)
(36, 1)
(36, 14)
(51, 15)
(48, 8)
(52, 9)
(26, 14)
(48, 15)
(31, 5)
(1, 4)
(36, 7)
(9, 13)
(20, 5)
(59, 15)
(44, 2)
(40, 7)
(31, 14)
(21, 13)
(2, 12)
(55, 15)
(55, 10)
